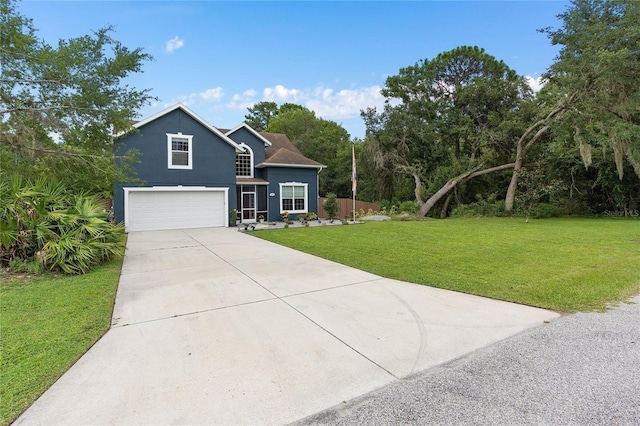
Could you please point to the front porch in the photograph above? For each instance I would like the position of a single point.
(251, 200)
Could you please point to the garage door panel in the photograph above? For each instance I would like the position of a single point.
(165, 209)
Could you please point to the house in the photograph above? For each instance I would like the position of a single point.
(194, 175)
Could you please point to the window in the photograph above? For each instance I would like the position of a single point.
(293, 197)
(180, 152)
(244, 162)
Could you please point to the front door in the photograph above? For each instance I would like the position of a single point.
(251, 203)
(248, 206)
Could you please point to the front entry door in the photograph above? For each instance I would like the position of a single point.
(248, 206)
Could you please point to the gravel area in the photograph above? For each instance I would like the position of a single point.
(581, 369)
(378, 217)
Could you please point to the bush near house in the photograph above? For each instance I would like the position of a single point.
(43, 227)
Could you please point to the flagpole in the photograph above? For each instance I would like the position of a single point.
(354, 207)
(354, 182)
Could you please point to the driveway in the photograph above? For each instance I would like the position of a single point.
(213, 326)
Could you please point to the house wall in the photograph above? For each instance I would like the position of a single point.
(276, 175)
(242, 135)
(213, 158)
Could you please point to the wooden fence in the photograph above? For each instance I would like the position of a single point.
(346, 207)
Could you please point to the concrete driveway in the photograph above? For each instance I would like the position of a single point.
(213, 326)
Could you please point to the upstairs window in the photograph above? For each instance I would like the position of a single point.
(244, 162)
(180, 151)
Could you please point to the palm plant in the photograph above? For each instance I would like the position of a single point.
(42, 224)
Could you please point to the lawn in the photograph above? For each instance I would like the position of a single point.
(564, 264)
(46, 324)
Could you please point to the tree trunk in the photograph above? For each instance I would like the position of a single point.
(428, 205)
(418, 187)
(445, 207)
(522, 149)
(511, 191)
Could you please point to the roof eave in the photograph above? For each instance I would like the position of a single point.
(246, 126)
(296, 166)
(192, 114)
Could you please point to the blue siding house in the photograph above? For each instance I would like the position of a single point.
(194, 175)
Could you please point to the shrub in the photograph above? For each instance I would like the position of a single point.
(482, 208)
(410, 207)
(41, 223)
(331, 205)
(544, 210)
(573, 206)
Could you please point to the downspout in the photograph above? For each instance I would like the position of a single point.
(318, 191)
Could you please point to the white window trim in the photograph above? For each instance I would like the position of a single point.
(306, 196)
(249, 151)
(189, 138)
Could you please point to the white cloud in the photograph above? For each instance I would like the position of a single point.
(341, 105)
(346, 103)
(211, 95)
(174, 44)
(207, 96)
(535, 83)
(281, 94)
(244, 100)
(324, 101)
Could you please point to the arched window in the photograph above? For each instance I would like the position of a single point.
(244, 162)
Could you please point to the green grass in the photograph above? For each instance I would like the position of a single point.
(566, 265)
(46, 324)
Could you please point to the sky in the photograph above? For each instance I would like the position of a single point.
(333, 57)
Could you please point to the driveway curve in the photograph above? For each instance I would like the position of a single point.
(213, 326)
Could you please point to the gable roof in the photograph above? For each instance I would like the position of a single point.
(247, 127)
(193, 115)
(279, 150)
(283, 153)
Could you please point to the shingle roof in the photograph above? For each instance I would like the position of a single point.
(283, 152)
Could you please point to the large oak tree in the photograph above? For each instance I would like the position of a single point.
(591, 103)
(457, 114)
(60, 105)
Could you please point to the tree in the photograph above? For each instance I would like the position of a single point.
(60, 105)
(321, 140)
(591, 100)
(534, 186)
(331, 205)
(459, 111)
(599, 68)
(595, 78)
(261, 114)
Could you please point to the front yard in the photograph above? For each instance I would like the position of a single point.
(47, 323)
(561, 264)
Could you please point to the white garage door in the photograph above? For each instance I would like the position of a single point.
(150, 209)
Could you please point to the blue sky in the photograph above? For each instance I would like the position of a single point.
(333, 57)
